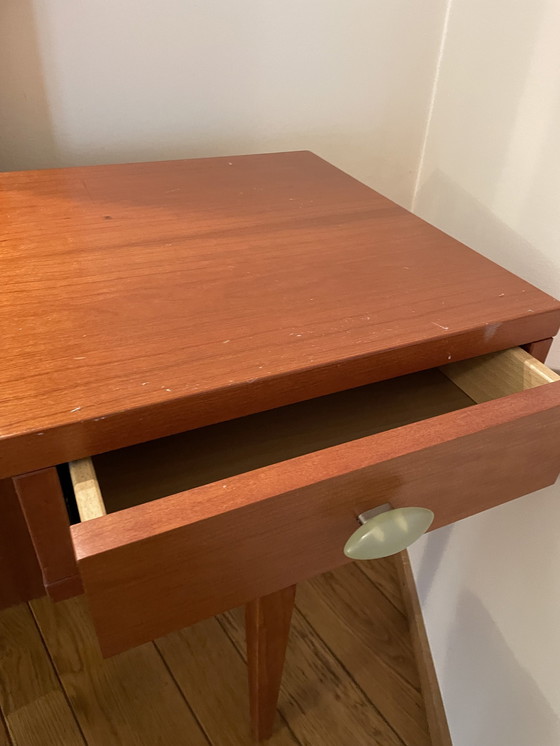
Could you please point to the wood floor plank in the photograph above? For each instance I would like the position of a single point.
(213, 678)
(318, 698)
(4, 737)
(350, 676)
(130, 699)
(370, 637)
(32, 700)
(347, 592)
(383, 573)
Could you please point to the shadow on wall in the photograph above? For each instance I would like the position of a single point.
(433, 553)
(491, 173)
(473, 223)
(26, 136)
(506, 708)
(504, 527)
(485, 642)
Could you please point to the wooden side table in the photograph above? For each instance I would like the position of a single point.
(212, 367)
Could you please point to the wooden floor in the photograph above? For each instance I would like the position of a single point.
(350, 677)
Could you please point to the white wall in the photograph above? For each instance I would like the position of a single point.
(97, 81)
(490, 585)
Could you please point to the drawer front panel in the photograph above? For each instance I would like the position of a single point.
(163, 565)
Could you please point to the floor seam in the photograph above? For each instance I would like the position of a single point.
(182, 693)
(56, 673)
(351, 677)
(380, 589)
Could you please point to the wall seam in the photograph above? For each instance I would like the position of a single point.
(431, 106)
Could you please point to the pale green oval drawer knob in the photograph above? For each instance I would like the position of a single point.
(386, 531)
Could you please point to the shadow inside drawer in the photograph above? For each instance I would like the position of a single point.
(144, 472)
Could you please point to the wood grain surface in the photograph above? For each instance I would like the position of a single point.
(35, 707)
(371, 638)
(330, 695)
(334, 711)
(42, 502)
(4, 737)
(99, 691)
(267, 627)
(213, 678)
(540, 349)
(228, 542)
(178, 463)
(89, 499)
(141, 300)
(20, 572)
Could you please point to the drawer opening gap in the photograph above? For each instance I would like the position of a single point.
(175, 464)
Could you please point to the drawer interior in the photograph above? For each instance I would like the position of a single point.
(130, 476)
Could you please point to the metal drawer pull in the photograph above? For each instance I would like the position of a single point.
(386, 531)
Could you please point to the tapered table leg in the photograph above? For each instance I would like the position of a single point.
(267, 625)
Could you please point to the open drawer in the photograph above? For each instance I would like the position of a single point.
(178, 529)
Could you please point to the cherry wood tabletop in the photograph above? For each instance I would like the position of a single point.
(144, 299)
